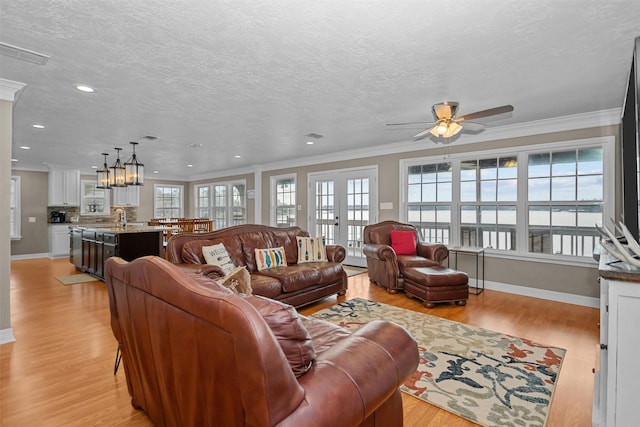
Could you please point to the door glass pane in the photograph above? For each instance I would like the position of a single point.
(325, 217)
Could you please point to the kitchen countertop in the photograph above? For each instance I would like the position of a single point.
(111, 228)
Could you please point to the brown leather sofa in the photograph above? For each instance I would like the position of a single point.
(384, 266)
(295, 284)
(196, 354)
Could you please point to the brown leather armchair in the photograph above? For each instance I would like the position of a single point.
(385, 268)
(196, 354)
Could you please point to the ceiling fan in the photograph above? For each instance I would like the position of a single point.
(446, 123)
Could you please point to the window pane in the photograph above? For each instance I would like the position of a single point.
(444, 192)
(508, 168)
(488, 169)
(588, 216)
(468, 170)
(428, 192)
(590, 187)
(540, 215)
(488, 191)
(539, 189)
(429, 173)
(443, 214)
(507, 190)
(539, 165)
(468, 215)
(488, 215)
(563, 188)
(468, 191)
(415, 193)
(563, 163)
(590, 161)
(507, 215)
(563, 216)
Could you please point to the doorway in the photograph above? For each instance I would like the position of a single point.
(341, 204)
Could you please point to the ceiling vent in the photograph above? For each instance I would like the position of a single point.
(150, 138)
(314, 135)
(23, 54)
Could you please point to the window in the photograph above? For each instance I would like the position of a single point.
(14, 205)
(488, 196)
(94, 201)
(283, 201)
(538, 201)
(168, 201)
(565, 199)
(224, 203)
(429, 193)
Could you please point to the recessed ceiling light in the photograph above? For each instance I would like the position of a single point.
(310, 142)
(24, 147)
(189, 166)
(14, 160)
(94, 167)
(85, 88)
(38, 126)
(236, 156)
(156, 172)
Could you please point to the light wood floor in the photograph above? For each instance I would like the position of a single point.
(59, 372)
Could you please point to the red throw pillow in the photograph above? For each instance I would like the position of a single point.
(403, 242)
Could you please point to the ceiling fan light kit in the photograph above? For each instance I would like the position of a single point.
(446, 124)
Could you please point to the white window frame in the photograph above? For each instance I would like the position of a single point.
(180, 214)
(16, 208)
(608, 148)
(274, 198)
(229, 201)
(106, 199)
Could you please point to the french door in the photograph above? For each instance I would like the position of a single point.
(341, 204)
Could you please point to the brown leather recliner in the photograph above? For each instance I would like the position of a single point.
(196, 354)
(385, 268)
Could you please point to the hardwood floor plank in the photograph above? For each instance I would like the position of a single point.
(59, 372)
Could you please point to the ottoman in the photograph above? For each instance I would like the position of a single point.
(436, 284)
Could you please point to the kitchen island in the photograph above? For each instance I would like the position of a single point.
(92, 245)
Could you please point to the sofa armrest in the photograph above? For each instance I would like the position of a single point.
(336, 253)
(208, 270)
(359, 373)
(434, 251)
(380, 252)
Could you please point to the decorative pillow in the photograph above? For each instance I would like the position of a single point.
(217, 255)
(239, 281)
(270, 258)
(311, 249)
(287, 326)
(403, 242)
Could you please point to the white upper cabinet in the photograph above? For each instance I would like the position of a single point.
(126, 196)
(64, 187)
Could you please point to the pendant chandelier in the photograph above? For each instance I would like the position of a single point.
(103, 175)
(118, 172)
(134, 170)
(118, 175)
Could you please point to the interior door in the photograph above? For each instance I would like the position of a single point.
(341, 204)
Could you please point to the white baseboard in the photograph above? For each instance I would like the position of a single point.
(6, 336)
(544, 294)
(29, 256)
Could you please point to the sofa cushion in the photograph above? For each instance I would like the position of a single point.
(239, 281)
(403, 242)
(311, 249)
(250, 242)
(270, 258)
(217, 255)
(265, 286)
(294, 277)
(286, 324)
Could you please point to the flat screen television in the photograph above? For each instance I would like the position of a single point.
(630, 136)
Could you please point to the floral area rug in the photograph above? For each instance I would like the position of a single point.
(484, 376)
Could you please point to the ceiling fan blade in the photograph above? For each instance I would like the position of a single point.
(408, 123)
(421, 135)
(471, 126)
(485, 113)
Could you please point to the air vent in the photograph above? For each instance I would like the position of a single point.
(314, 135)
(194, 145)
(150, 138)
(23, 54)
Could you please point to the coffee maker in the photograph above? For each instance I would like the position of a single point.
(58, 216)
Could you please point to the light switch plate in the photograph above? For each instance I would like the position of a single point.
(385, 206)
(32, 219)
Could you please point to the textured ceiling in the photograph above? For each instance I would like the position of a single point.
(252, 78)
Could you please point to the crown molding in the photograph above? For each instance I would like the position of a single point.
(10, 90)
(537, 127)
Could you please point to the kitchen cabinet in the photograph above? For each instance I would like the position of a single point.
(99, 244)
(64, 187)
(126, 196)
(58, 241)
(615, 393)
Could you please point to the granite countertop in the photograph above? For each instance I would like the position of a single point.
(611, 268)
(111, 228)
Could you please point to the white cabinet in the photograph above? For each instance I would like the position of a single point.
(64, 187)
(126, 196)
(615, 394)
(59, 241)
